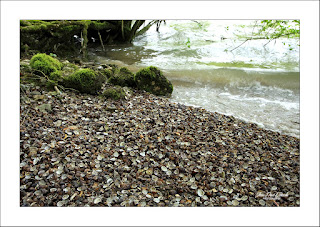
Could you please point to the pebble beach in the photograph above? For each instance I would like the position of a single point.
(83, 150)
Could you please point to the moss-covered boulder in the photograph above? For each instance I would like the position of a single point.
(152, 80)
(69, 68)
(122, 77)
(115, 93)
(85, 81)
(47, 64)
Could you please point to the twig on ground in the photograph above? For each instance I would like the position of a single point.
(275, 203)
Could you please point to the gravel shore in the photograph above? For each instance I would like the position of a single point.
(83, 150)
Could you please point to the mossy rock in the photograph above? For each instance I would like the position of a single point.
(85, 81)
(108, 73)
(122, 77)
(115, 93)
(47, 64)
(56, 75)
(68, 69)
(152, 80)
(50, 84)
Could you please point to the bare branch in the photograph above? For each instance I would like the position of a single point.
(240, 45)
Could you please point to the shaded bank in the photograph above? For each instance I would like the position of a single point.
(71, 37)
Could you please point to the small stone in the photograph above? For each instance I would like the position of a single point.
(262, 202)
(60, 203)
(156, 200)
(193, 186)
(45, 108)
(244, 198)
(74, 195)
(65, 197)
(99, 157)
(38, 97)
(163, 168)
(111, 108)
(200, 192)
(235, 202)
(35, 93)
(149, 171)
(97, 200)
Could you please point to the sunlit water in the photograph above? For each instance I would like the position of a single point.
(254, 82)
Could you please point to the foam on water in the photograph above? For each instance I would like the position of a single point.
(255, 83)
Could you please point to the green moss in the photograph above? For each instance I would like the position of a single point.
(108, 73)
(123, 77)
(68, 69)
(236, 64)
(51, 83)
(85, 81)
(152, 80)
(56, 75)
(114, 67)
(45, 63)
(115, 93)
(98, 25)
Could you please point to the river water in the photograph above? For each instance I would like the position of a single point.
(257, 83)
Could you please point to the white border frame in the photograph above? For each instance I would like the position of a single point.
(306, 11)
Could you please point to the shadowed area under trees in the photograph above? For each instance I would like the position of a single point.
(63, 37)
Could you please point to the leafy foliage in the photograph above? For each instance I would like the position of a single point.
(273, 29)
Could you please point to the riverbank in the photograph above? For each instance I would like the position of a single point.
(83, 150)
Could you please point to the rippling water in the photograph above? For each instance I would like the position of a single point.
(254, 82)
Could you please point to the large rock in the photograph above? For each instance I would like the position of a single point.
(47, 65)
(85, 81)
(152, 80)
(122, 77)
(115, 93)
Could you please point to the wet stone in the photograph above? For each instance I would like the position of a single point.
(148, 151)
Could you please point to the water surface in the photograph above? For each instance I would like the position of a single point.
(256, 82)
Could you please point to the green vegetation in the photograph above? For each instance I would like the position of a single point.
(68, 69)
(85, 81)
(115, 93)
(237, 64)
(152, 80)
(108, 73)
(47, 65)
(47, 71)
(63, 37)
(188, 43)
(123, 77)
(196, 25)
(272, 30)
